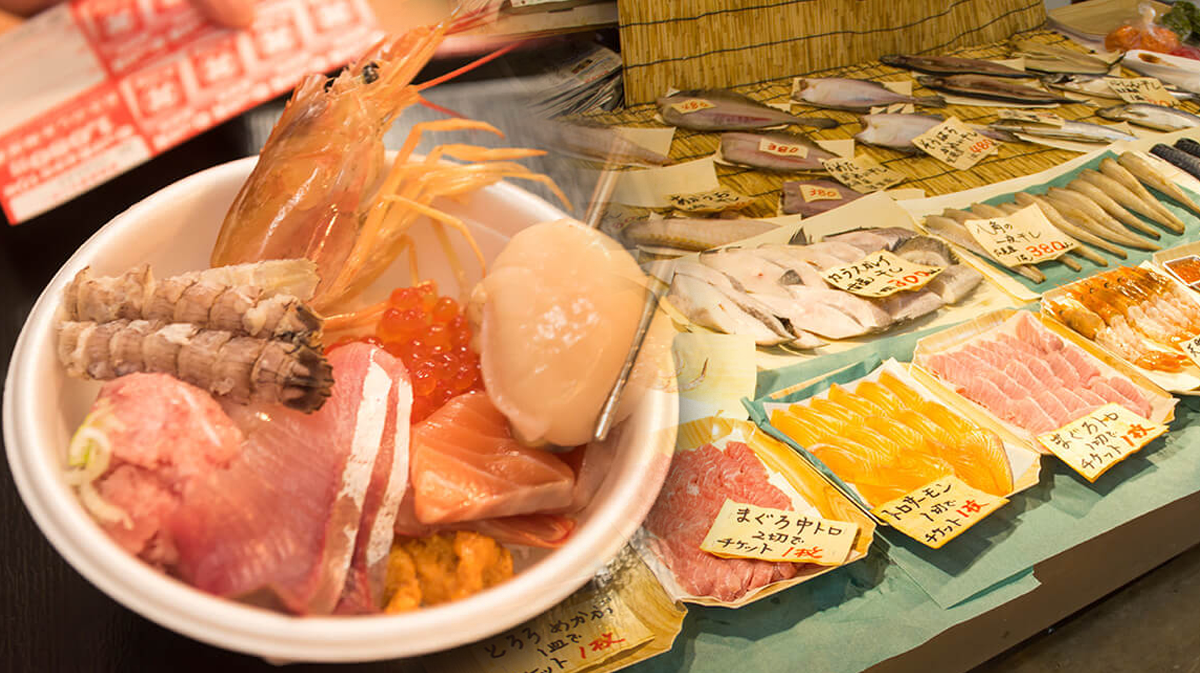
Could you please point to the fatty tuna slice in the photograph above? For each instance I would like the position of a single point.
(467, 466)
(279, 526)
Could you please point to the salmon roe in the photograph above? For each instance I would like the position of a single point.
(430, 335)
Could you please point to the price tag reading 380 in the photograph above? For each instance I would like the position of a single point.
(880, 274)
(1025, 237)
(766, 534)
(939, 511)
(952, 143)
(782, 149)
(1093, 444)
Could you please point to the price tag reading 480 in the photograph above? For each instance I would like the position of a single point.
(881, 274)
(1025, 237)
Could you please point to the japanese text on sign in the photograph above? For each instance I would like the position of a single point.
(750, 531)
(952, 143)
(782, 149)
(812, 193)
(1093, 444)
(862, 173)
(1141, 90)
(692, 105)
(1035, 116)
(880, 274)
(1191, 348)
(709, 202)
(938, 512)
(1025, 237)
(570, 636)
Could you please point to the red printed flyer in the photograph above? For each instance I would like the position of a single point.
(116, 82)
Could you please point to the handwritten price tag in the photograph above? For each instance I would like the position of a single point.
(1093, 444)
(1035, 116)
(880, 274)
(862, 173)
(692, 105)
(1191, 348)
(782, 149)
(812, 193)
(955, 145)
(709, 202)
(1141, 90)
(938, 512)
(750, 531)
(573, 635)
(1025, 237)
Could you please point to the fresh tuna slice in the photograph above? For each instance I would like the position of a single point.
(389, 482)
(466, 466)
(279, 526)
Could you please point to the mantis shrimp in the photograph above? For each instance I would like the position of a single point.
(321, 189)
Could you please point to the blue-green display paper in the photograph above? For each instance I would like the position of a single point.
(1058, 274)
(840, 622)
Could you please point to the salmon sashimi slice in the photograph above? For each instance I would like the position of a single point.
(914, 470)
(896, 431)
(880, 395)
(908, 397)
(979, 460)
(834, 410)
(946, 419)
(924, 425)
(874, 440)
(854, 402)
(879, 495)
(790, 424)
(854, 462)
(823, 425)
(466, 465)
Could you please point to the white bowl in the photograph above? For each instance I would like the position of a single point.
(174, 230)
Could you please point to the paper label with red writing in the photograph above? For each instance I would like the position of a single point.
(1035, 116)
(939, 511)
(812, 193)
(782, 149)
(1092, 445)
(880, 274)
(1141, 90)
(955, 145)
(573, 635)
(753, 532)
(132, 79)
(1025, 237)
(692, 105)
(709, 202)
(862, 173)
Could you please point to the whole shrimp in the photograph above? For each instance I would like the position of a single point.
(319, 190)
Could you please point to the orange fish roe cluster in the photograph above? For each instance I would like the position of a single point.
(430, 335)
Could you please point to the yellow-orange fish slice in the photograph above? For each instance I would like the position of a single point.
(835, 410)
(853, 461)
(924, 425)
(896, 431)
(879, 495)
(979, 459)
(822, 424)
(914, 470)
(873, 439)
(854, 402)
(793, 426)
(952, 422)
(880, 395)
(908, 397)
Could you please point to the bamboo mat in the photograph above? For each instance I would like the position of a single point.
(691, 44)
(924, 172)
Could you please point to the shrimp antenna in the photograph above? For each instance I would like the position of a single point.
(444, 110)
(470, 66)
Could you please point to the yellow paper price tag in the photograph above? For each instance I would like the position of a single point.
(812, 193)
(939, 511)
(880, 274)
(692, 105)
(753, 532)
(1191, 348)
(1093, 444)
(1025, 237)
(1035, 116)
(782, 149)
(1141, 90)
(862, 173)
(955, 145)
(571, 636)
(709, 202)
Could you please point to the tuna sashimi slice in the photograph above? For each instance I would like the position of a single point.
(466, 465)
(279, 526)
(1029, 331)
(1082, 363)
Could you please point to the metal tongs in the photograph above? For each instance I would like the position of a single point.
(657, 285)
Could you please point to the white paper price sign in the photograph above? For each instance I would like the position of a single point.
(692, 105)
(938, 512)
(753, 532)
(1093, 444)
(862, 173)
(1191, 348)
(1025, 237)
(880, 274)
(955, 145)
(782, 149)
(709, 202)
(812, 193)
(1141, 90)
(1035, 116)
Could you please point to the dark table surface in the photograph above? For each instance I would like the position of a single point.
(51, 618)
